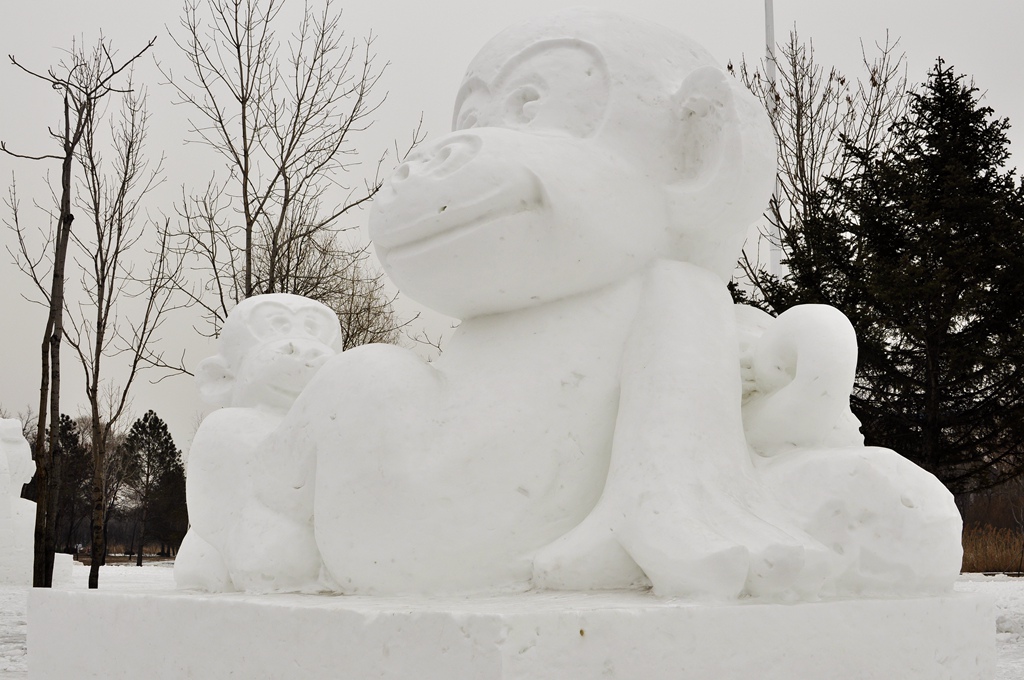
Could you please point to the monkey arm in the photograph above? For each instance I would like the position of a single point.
(679, 407)
(681, 499)
(803, 369)
(219, 479)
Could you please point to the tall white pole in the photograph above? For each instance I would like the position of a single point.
(775, 251)
(769, 41)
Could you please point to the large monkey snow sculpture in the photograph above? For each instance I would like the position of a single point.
(599, 419)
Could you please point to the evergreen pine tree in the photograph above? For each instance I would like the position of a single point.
(923, 248)
(155, 462)
(74, 491)
(168, 512)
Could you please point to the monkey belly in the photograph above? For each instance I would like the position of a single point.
(432, 481)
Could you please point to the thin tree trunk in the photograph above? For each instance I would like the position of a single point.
(931, 429)
(57, 306)
(42, 456)
(69, 536)
(46, 503)
(99, 506)
(142, 537)
(106, 535)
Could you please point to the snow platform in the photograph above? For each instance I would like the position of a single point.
(530, 636)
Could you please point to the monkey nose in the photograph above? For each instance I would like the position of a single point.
(442, 159)
(314, 357)
(308, 353)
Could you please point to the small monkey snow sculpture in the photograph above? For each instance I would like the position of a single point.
(17, 515)
(599, 419)
(270, 347)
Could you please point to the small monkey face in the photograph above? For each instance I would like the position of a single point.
(270, 348)
(274, 372)
(291, 344)
(271, 319)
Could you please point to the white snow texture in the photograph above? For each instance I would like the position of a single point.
(17, 515)
(155, 578)
(604, 417)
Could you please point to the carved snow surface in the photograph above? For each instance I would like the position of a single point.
(603, 417)
(17, 516)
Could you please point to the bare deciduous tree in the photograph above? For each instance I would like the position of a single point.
(113, 195)
(83, 81)
(281, 114)
(812, 112)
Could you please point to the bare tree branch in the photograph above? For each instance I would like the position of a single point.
(282, 115)
(812, 111)
(83, 82)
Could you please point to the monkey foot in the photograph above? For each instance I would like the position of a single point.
(272, 553)
(587, 558)
(739, 554)
(199, 566)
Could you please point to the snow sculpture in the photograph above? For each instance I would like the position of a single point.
(892, 528)
(599, 419)
(269, 349)
(17, 515)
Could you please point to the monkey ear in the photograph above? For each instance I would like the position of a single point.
(728, 151)
(214, 380)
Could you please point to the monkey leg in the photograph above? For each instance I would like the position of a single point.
(893, 526)
(200, 566)
(270, 552)
(682, 500)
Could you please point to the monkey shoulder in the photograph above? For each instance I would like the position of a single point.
(366, 376)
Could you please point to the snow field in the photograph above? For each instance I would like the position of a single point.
(14, 601)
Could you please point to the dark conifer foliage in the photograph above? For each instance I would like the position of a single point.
(168, 514)
(74, 470)
(923, 248)
(155, 481)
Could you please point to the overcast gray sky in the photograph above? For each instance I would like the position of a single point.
(428, 44)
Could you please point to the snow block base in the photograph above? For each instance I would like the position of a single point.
(531, 636)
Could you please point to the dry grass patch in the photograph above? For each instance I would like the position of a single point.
(989, 548)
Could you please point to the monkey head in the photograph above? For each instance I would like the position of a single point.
(584, 146)
(15, 448)
(270, 347)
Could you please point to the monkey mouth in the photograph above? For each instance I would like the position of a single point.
(523, 194)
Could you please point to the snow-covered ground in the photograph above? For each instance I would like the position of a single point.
(1008, 593)
(14, 601)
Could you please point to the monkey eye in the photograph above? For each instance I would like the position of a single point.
(522, 104)
(311, 326)
(558, 86)
(280, 323)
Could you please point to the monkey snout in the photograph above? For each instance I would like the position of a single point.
(312, 354)
(441, 160)
(315, 357)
